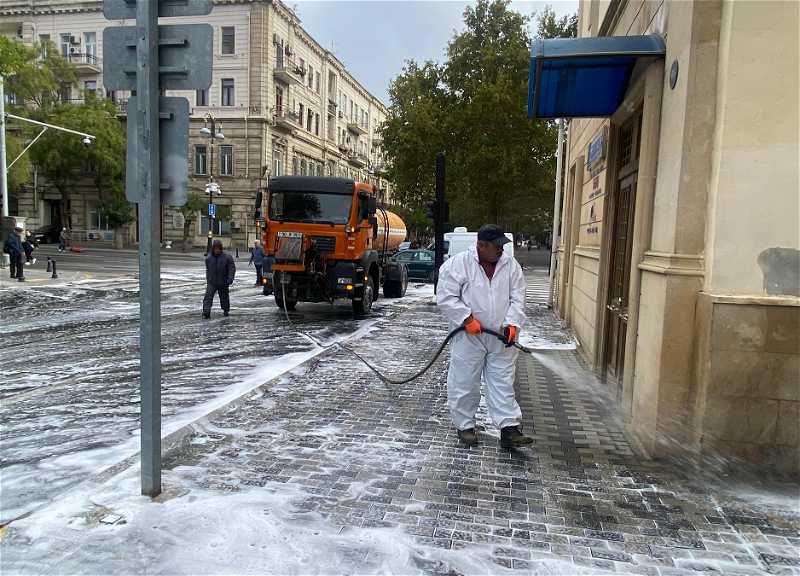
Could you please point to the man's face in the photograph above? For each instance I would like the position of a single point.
(18, 232)
(217, 250)
(488, 252)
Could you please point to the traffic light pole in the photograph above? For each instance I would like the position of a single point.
(148, 164)
(439, 219)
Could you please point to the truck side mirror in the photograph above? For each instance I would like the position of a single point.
(373, 205)
(257, 207)
(373, 221)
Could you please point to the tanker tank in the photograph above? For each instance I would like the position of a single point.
(397, 231)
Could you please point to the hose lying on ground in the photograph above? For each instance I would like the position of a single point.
(425, 368)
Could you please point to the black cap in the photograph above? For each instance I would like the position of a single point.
(18, 227)
(494, 234)
(216, 243)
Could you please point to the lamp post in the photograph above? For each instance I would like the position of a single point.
(213, 133)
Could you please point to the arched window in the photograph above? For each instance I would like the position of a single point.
(294, 166)
(277, 163)
(303, 168)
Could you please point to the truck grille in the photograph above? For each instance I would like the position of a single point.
(325, 244)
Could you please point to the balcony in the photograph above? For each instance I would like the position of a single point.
(377, 139)
(357, 160)
(285, 119)
(85, 64)
(287, 71)
(356, 127)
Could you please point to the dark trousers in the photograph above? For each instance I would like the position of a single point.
(224, 298)
(259, 274)
(28, 253)
(17, 271)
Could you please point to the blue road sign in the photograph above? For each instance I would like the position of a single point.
(212, 210)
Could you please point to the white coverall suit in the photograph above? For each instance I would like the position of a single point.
(464, 289)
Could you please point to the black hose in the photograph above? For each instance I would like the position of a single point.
(432, 360)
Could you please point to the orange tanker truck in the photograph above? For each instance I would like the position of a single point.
(325, 239)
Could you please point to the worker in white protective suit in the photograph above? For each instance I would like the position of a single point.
(484, 286)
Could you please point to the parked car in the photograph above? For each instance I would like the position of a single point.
(47, 234)
(404, 246)
(420, 263)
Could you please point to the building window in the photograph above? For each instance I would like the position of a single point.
(221, 227)
(310, 76)
(317, 80)
(319, 169)
(43, 40)
(90, 86)
(97, 217)
(200, 160)
(316, 125)
(310, 168)
(90, 48)
(228, 41)
(228, 98)
(294, 166)
(226, 160)
(66, 93)
(277, 163)
(65, 45)
(300, 117)
(303, 169)
(201, 98)
(310, 119)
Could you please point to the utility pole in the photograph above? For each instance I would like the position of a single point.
(150, 58)
(3, 169)
(556, 214)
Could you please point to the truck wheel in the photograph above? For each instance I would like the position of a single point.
(403, 284)
(390, 288)
(364, 306)
(289, 304)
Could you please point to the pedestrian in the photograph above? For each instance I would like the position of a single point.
(484, 286)
(257, 258)
(29, 244)
(62, 240)
(13, 247)
(220, 271)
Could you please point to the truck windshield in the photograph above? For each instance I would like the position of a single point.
(310, 207)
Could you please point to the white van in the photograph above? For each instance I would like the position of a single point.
(459, 240)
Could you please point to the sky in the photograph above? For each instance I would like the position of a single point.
(373, 38)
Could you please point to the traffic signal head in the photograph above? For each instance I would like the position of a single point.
(433, 209)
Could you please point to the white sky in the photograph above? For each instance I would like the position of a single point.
(373, 38)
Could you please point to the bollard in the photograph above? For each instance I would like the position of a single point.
(49, 264)
(55, 274)
(237, 253)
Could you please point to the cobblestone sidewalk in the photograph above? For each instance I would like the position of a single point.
(360, 464)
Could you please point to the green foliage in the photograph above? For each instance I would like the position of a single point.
(551, 27)
(13, 56)
(38, 82)
(20, 171)
(223, 211)
(194, 205)
(119, 213)
(500, 164)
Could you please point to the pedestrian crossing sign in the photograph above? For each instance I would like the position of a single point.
(212, 210)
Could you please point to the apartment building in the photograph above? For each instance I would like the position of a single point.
(679, 250)
(284, 104)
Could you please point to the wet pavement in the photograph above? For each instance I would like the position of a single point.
(326, 469)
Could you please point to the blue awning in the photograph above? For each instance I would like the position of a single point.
(586, 77)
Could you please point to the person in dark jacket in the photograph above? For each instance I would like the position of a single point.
(29, 244)
(257, 258)
(14, 244)
(220, 271)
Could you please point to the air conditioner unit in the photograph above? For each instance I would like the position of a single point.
(341, 114)
(236, 224)
(276, 39)
(74, 39)
(289, 50)
(72, 50)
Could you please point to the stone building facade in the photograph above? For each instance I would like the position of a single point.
(284, 104)
(678, 255)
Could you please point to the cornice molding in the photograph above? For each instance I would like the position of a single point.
(674, 264)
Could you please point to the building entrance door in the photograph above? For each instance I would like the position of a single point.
(621, 247)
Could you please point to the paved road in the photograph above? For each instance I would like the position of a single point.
(70, 398)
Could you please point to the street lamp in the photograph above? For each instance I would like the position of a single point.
(213, 133)
(87, 141)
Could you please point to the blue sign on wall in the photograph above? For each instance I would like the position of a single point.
(597, 148)
(212, 210)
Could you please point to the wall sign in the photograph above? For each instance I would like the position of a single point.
(597, 148)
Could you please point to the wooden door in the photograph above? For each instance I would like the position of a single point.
(621, 247)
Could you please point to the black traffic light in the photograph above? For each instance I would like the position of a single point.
(433, 210)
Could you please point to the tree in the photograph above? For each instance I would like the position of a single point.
(500, 164)
(548, 26)
(194, 205)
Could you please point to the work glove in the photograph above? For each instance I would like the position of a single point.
(473, 326)
(510, 335)
(229, 281)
